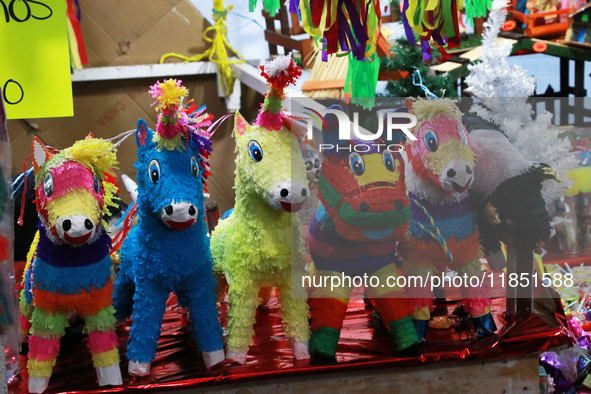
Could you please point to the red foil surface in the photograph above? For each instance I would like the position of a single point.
(364, 344)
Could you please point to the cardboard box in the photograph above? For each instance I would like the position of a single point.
(140, 31)
(136, 32)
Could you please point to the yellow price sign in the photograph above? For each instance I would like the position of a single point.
(35, 59)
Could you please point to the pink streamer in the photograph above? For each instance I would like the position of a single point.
(270, 121)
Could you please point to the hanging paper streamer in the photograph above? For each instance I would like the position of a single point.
(362, 79)
(346, 26)
(271, 6)
(433, 19)
(477, 9)
(342, 25)
(438, 21)
(78, 56)
(217, 53)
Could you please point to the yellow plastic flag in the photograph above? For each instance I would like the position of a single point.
(34, 59)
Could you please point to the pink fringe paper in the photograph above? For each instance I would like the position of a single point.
(100, 342)
(476, 299)
(476, 306)
(270, 121)
(168, 131)
(420, 297)
(42, 349)
(420, 303)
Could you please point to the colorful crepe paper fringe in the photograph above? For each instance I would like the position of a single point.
(253, 246)
(177, 121)
(155, 258)
(271, 6)
(218, 53)
(477, 8)
(78, 56)
(339, 244)
(59, 278)
(362, 80)
(442, 233)
(343, 25)
(435, 20)
(279, 74)
(347, 26)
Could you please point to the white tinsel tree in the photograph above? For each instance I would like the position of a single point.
(503, 90)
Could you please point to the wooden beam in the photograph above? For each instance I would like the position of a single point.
(321, 85)
(143, 71)
(497, 375)
(285, 41)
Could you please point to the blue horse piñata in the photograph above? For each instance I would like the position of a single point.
(168, 250)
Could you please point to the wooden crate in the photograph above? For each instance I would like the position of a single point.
(535, 29)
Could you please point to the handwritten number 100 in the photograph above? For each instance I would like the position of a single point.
(9, 11)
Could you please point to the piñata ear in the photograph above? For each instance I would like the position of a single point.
(408, 104)
(240, 124)
(143, 134)
(40, 154)
(90, 135)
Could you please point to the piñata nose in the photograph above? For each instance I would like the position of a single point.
(75, 229)
(179, 216)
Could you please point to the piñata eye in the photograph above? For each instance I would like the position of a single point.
(356, 163)
(194, 167)
(96, 184)
(48, 184)
(154, 171)
(388, 159)
(431, 140)
(255, 151)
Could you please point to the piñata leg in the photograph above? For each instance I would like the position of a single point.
(148, 309)
(394, 307)
(199, 297)
(295, 313)
(26, 313)
(102, 343)
(328, 305)
(123, 295)
(418, 290)
(477, 299)
(46, 330)
(26, 296)
(243, 298)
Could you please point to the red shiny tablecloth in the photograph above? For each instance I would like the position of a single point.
(364, 344)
